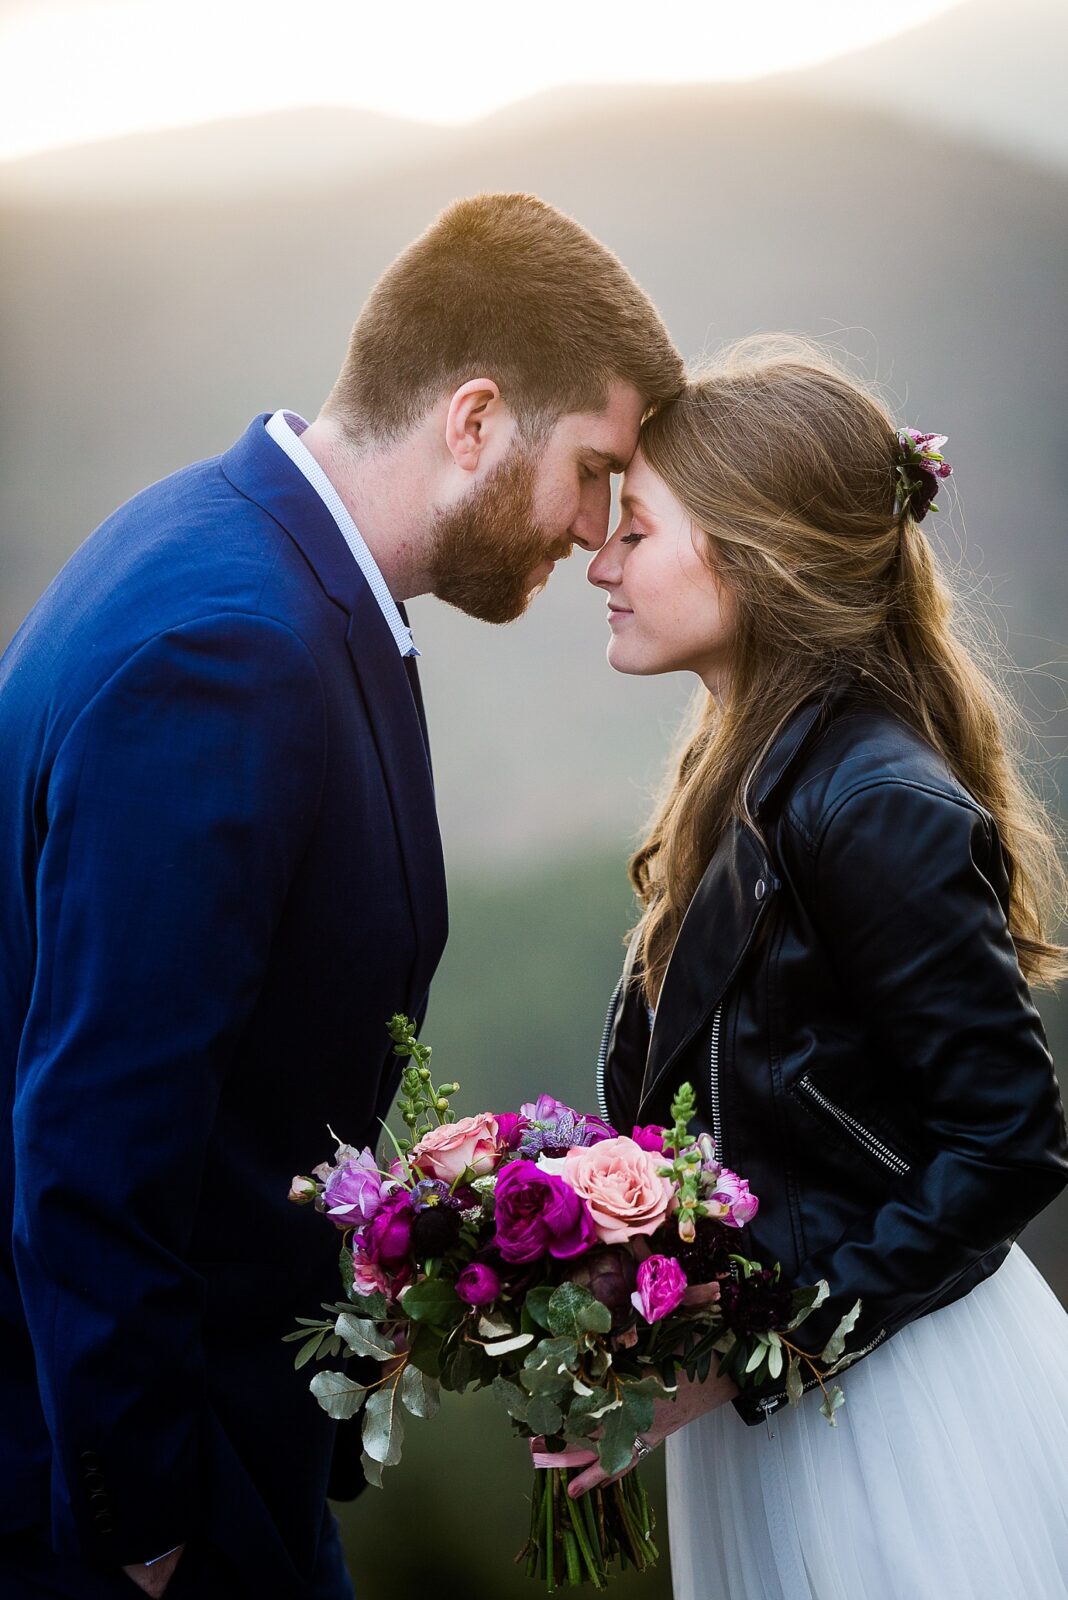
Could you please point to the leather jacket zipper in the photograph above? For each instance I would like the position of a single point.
(602, 1054)
(874, 1146)
(713, 1083)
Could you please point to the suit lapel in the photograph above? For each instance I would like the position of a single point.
(258, 469)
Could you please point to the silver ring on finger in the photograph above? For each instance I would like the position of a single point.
(641, 1448)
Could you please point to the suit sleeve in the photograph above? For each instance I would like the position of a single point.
(177, 809)
(903, 897)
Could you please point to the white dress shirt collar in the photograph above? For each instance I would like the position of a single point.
(285, 428)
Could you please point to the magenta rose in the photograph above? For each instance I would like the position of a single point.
(538, 1214)
(661, 1286)
(388, 1240)
(478, 1284)
(649, 1138)
(353, 1191)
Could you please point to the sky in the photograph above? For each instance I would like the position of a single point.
(74, 71)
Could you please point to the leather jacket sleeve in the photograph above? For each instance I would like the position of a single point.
(906, 887)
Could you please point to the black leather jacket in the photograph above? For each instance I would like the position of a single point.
(845, 999)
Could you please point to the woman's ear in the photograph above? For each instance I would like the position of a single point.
(476, 413)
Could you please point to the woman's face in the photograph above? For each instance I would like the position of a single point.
(666, 609)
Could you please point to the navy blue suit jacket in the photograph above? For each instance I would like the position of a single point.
(220, 874)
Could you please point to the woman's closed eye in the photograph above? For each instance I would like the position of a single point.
(632, 538)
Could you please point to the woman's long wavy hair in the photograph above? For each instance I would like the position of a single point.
(787, 469)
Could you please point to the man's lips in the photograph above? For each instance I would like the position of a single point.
(617, 613)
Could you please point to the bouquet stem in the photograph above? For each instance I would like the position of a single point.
(573, 1542)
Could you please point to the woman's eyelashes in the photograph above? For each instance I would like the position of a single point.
(632, 538)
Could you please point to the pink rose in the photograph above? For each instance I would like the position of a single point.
(622, 1187)
(661, 1286)
(469, 1148)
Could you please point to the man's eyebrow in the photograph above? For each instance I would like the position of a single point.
(606, 459)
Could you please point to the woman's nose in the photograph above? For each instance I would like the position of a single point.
(605, 570)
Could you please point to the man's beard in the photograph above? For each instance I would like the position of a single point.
(485, 549)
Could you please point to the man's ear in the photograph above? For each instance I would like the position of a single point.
(476, 410)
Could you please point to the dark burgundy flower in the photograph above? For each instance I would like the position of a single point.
(435, 1229)
(755, 1305)
(707, 1258)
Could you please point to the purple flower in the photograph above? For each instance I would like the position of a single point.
(478, 1284)
(388, 1240)
(538, 1214)
(552, 1128)
(352, 1192)
(920, 468)
(510, 1129)
(731, 1200)
(661, 1286)
(650, 1138)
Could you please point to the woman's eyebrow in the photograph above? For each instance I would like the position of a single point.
(632, 500)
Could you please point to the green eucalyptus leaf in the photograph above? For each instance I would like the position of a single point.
(507, 1347)
(345, 1266)
(775, 1360)
(834, 1399)
(372, 1306)
(795, 1386)
(363, 1338)
(595, 1318)
(543, 1416)
(835, 1345)
(383, 1424)
(536, 1304)
(511, 1397)
(372, 1471)
(460, 1366)
(424, 1349)
(496, 1326)
(615, 1447)
(339, 1396)
(307, 1350)
(434, 1301)
(566, 1304)
(640, 1410)
(758, 1353)
(420, 1394)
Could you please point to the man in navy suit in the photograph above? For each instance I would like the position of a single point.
(220, 874)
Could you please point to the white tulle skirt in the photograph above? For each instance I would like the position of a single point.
(945, 1479)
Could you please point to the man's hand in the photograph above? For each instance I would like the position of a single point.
(691, 1401)
(154, 1579)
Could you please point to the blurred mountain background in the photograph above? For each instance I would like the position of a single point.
(906, 202)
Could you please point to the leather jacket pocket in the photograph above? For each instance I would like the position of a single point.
(872, 1144)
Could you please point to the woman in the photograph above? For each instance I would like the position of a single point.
(845, 892)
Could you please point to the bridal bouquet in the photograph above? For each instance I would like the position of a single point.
(572, 1271)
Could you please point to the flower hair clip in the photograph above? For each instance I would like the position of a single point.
(919, 470)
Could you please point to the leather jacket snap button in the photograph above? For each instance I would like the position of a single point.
(760, 890)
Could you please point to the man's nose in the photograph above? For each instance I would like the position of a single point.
(590, 530)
